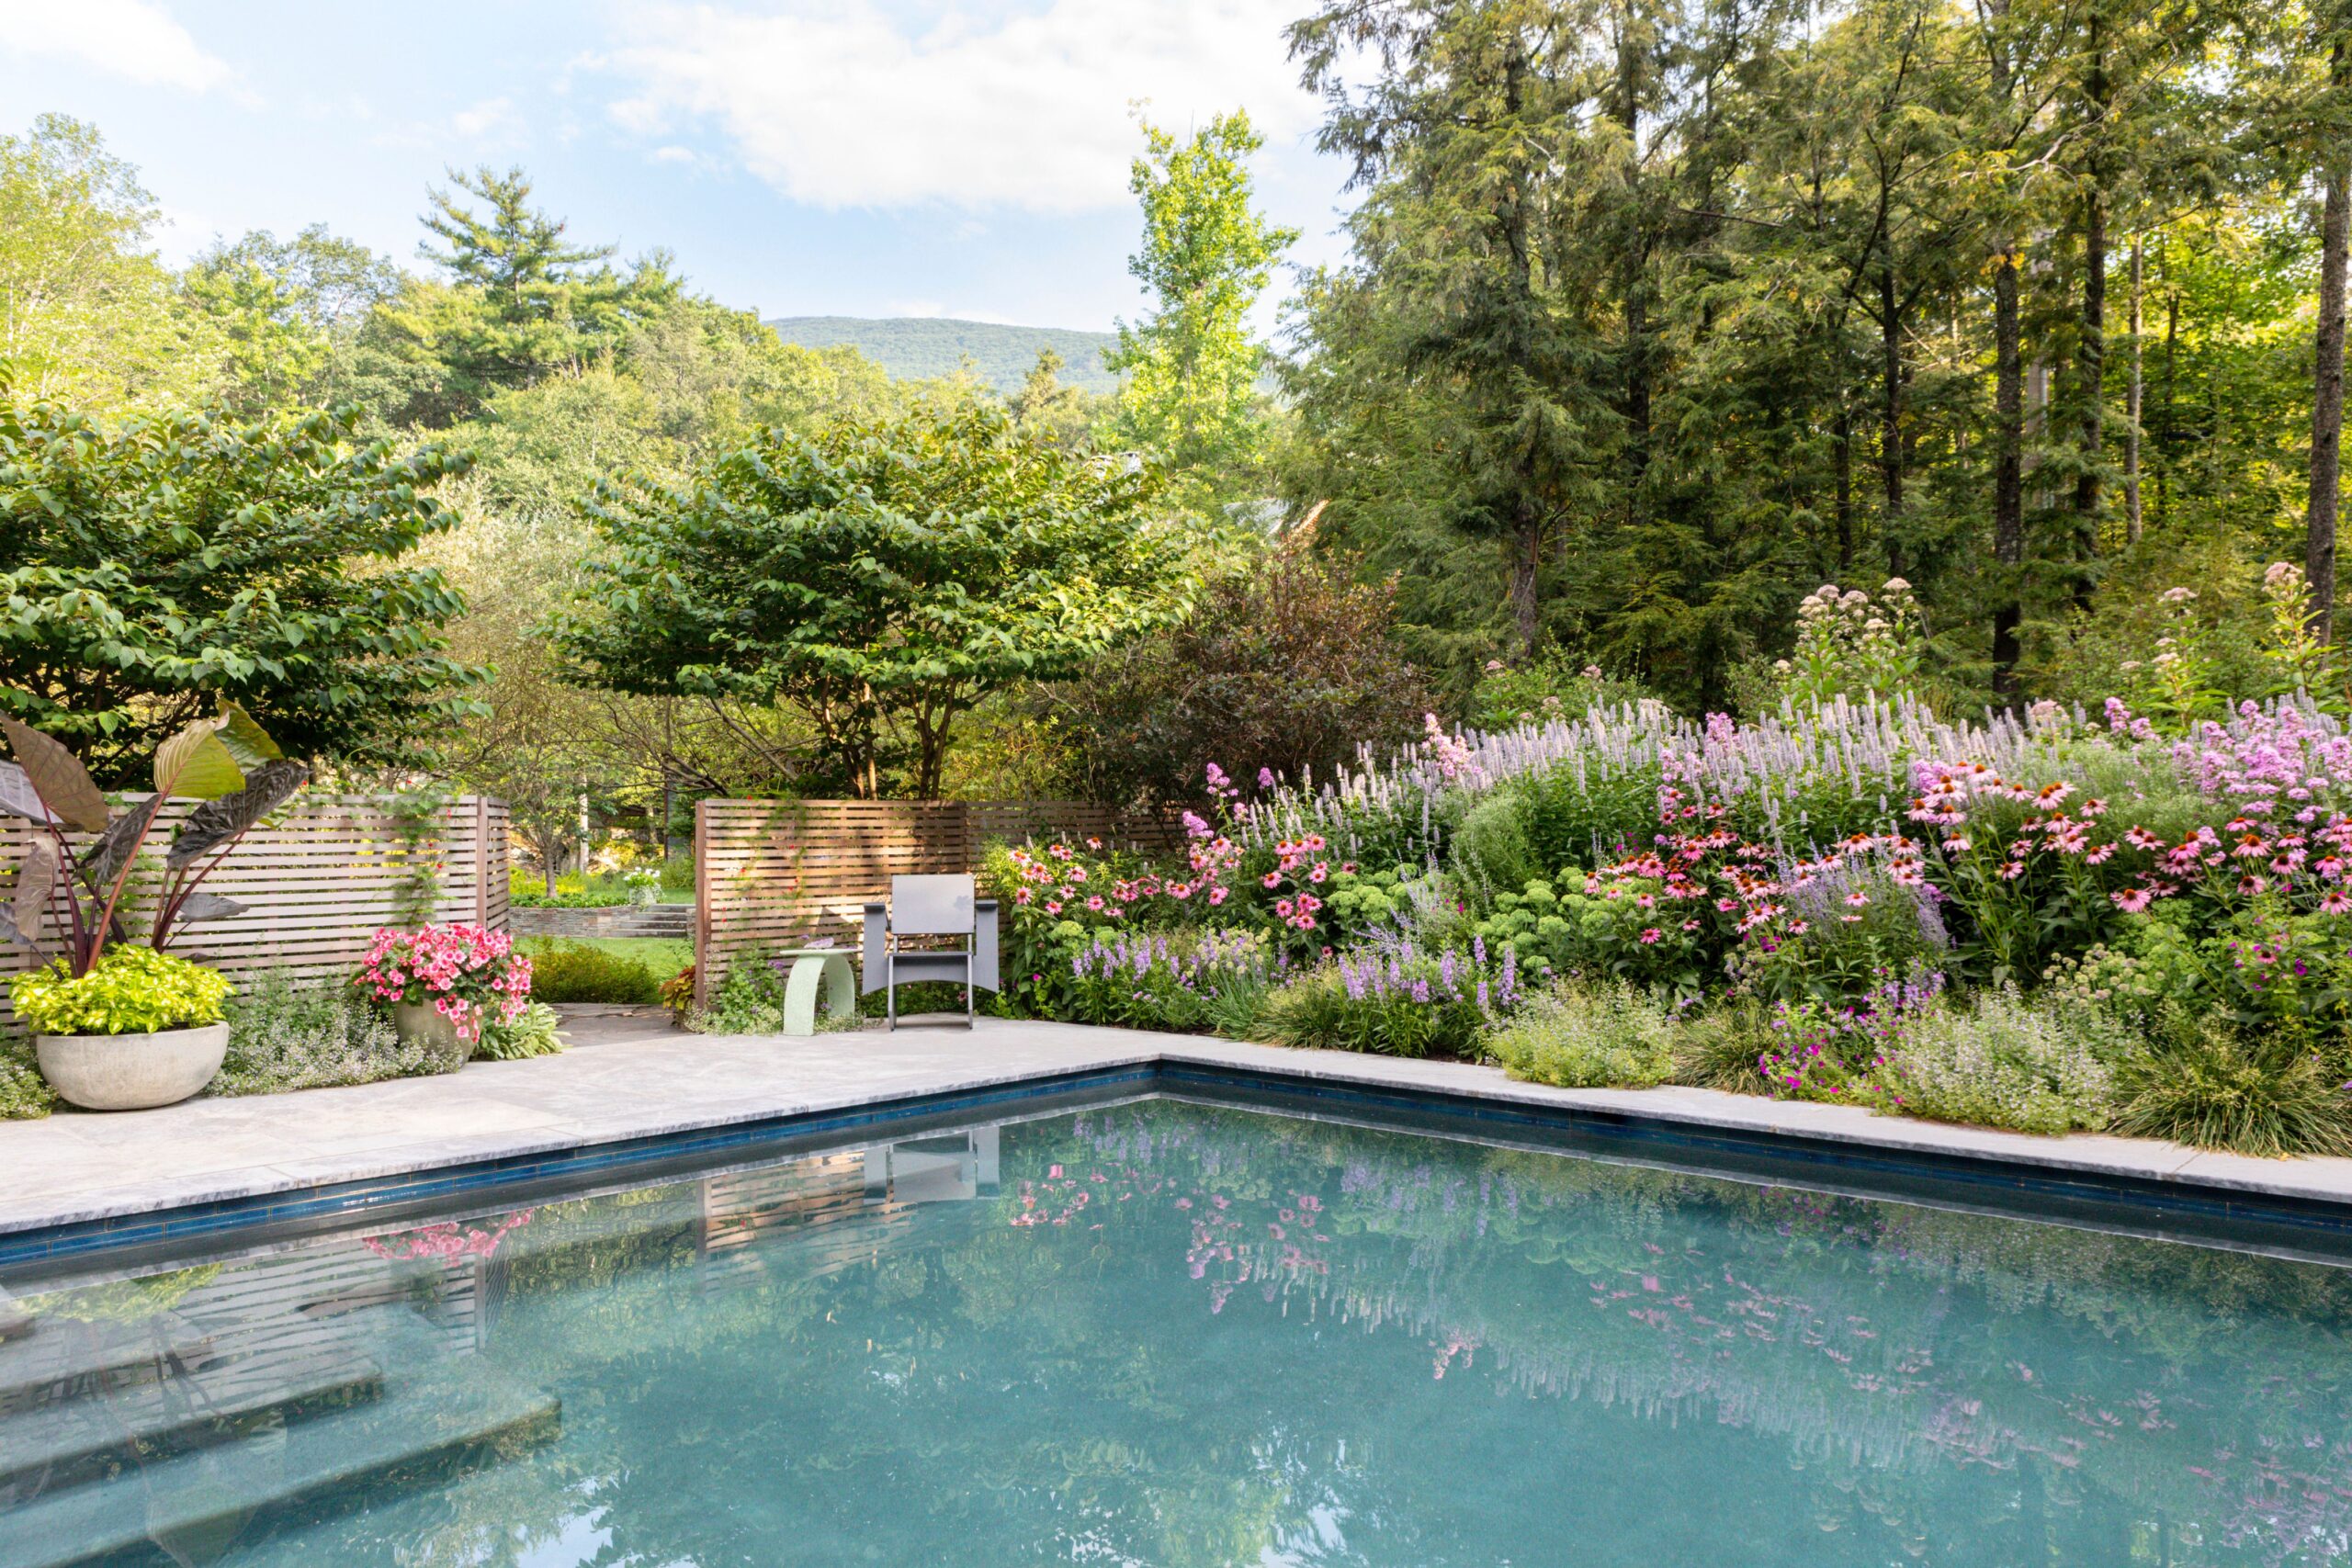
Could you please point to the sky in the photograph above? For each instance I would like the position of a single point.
(799, 157)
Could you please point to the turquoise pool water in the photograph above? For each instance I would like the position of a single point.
(1174, 1334)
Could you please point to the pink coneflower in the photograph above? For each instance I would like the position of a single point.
(1651, 934)
(2336, 901)
(1856, 898)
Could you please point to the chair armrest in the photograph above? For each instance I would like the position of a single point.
(873, 971)
(984, 976)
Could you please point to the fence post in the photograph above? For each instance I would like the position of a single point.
(481, 860)
(702, 903)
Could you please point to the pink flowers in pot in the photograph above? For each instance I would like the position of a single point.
(464, 972)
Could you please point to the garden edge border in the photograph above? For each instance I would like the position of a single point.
(2180, 1205)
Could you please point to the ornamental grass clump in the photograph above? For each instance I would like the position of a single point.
(2207, 1083)
(470, 975)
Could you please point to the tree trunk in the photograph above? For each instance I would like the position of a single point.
(2091, 365)
(2172, 386)
(1843, 448)
(2327, 401)
(1637, 369)
(1525, 547)
(2091, 357)
(1891, 418)
(2008, 479)
(2132, 433)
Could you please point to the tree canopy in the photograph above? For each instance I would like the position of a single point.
(1191, 367)
(878, 577)
(162, 564)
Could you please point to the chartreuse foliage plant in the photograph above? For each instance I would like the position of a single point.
(131, 990)
(1611, 1035)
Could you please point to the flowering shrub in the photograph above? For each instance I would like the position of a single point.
(1848, 642)
(467, 973)
(2005, 1062)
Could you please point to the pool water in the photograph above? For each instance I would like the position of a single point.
(1179, 1334)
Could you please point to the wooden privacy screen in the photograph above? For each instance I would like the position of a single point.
(318, 878)
(775, 874)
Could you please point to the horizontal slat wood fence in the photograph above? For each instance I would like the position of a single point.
(319, 877)
(776, 873)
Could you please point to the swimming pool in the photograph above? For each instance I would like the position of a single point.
(1170, 1332)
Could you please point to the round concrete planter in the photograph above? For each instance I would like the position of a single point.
(420, 1023)
(132, 1072)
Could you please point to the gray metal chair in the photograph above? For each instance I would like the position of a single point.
(928, 908)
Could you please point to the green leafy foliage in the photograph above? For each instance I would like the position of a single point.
(1606, 1036)
(2005, 1062)
(289, 1034)
(74, 891)
(879, 577)
(156, 566)
(574, 972)
(531, 1032)
(1192, 369)
(129, 991)
(24, 1093)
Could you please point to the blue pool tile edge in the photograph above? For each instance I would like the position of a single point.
(2015, 1184)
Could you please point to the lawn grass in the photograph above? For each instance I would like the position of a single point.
(663, 955)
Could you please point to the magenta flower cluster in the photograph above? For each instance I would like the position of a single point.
(464, 972)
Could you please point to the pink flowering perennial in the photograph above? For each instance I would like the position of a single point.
(464, 972)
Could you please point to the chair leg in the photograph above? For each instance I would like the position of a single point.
(971, 999)
(890, 991)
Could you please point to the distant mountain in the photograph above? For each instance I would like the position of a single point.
(914, 347)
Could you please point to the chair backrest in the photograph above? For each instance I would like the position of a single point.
(931, 905)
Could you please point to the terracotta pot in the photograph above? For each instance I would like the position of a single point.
(132, 1072)
(423, 1024)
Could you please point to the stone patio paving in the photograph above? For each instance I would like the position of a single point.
(629, 1080)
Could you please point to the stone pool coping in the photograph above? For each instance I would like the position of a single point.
(82, 1169)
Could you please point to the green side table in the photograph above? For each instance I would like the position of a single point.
(814, 969)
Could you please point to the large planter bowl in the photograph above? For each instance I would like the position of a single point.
(132, 1072)
(420, 1023)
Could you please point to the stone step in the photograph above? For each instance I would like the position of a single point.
(434, 1419)
(104, 1428)
(60, 1355)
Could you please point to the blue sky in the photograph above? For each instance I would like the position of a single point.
(857, 157)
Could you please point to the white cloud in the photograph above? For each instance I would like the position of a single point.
(479, 119)
(125, 38)
(841, 105)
